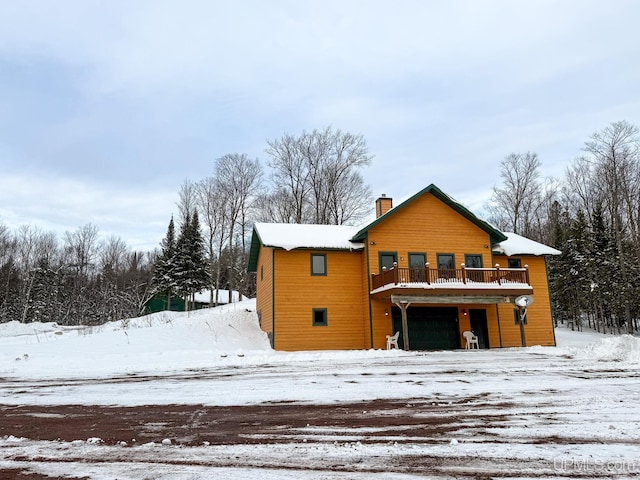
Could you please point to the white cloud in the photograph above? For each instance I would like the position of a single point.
(133, 93)
(63, 204)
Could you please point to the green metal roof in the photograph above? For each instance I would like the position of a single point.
(495, 234)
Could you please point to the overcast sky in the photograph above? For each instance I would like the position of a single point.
(106, 107)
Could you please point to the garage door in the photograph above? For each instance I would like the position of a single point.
(430, 328)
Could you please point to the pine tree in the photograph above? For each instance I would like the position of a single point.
(199, 276)
(164, 277)
(182, 258)
(191, 273)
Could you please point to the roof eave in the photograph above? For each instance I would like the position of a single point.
(254, 251)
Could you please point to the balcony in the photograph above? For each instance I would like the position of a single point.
(459, 285)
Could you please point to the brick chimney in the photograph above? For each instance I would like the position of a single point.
(383, 205)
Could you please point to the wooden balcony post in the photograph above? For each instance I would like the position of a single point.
(426, 272)
(526, 274)
(395, 273)
(498, 273)
(464, 274)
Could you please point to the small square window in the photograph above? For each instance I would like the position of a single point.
(318, 264)
(515, 263)
(319, 317)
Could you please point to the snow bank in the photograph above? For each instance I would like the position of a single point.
(590, 345)
(623, 348)
(163, 341)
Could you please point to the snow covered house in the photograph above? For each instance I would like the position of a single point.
(429, 264)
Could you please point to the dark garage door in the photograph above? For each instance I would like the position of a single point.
(430, 328)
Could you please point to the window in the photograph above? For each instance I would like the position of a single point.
(387, 259)
(515, 263)
(261, 272)
(417, 273)
(318, 264)
(473, 261)
(319, 317)
(417, 260)
(446, 261)
(446, 265)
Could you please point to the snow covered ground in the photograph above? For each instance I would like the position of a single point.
(539, 412)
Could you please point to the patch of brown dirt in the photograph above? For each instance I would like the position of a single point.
(196, 424)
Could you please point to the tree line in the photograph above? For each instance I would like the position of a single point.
(592, 215)
(77, 279)
(312, 177)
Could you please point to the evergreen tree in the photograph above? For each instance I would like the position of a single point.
(190, 273)
(164, 277)
(199, 278)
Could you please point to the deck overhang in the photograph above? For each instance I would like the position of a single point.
(452, 299)
(451, 295)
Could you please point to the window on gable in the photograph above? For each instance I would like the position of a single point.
(417, 272)
(446, 265)
(515, 263)
(318, 264)
(387, 259)
(446, 261)
(319, 317)
(417, 260)
(473, 261)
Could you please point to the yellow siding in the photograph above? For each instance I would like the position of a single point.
(366, 308)
(430, 226)
(297, 293)
(264, 285)
(539, 327)
(426, 225)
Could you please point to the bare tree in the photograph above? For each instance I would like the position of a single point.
(81, 248)
(514, 203)
(315, 173)
(580, 192)
(277, 206)
(290, 173)
(113, 254)
(238, 179)
(187, 200)
(212, 202)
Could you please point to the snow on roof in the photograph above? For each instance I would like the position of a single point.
(518, 245)
(291, 235)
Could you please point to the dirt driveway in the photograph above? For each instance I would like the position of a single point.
(396, 426)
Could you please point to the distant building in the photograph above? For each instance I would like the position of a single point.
(158, 303)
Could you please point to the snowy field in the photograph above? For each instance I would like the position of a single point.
(567, 412)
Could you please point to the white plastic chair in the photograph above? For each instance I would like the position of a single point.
(471, 340)
(392, 340)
